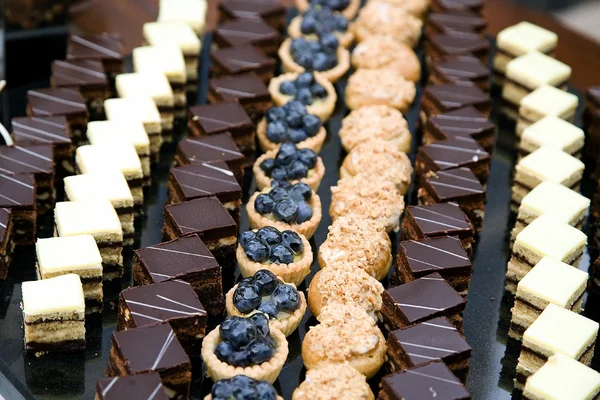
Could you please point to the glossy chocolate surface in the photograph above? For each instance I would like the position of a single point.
(56, 101)
(445, 5)
(32, 159)
(239, 32)
(456, 43)
(457, 21)
(221, 117)
(450, 96)
(466, 122)
(463, 68)
(439, 219)
(17, 190)
(79, 73)
(100, 47)
(453, 185)
(142, 386)
(252, 8)
(452, 153)
(219, 147)
(40, 130)
(206, 217)
(204, 180)
(245, 87)
(240, 59)
(442, 253)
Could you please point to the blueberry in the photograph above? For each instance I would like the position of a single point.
(263, 204)
(265, 281)
(224, 350)
(304, 59)
(304, 96)
(246, 299)
(304, 212)
(223, 389)
(257, 251)
(246, 282)
(304, 80)
(332, 61)
(260, 351)
(311, 124)
(278, 193)
(239, 332)
(286, 298)
(269, 309)
(293, 119)
(269, 235)
(265, 391)
(275, 114)
(262, 323)
(287, 153)
(296, 106)
(281, 255)
(285, 210)
(281, 184)
(267, 165)
(341, 22)
(308, 25)
(318, 91)
(242, 381)
(320, 62)
(329, 41)
(308, 157)
(287, 88)
(279, 174)
(298, 45)
(297, 170)
(245, 237)
(277, 132)
(314, 47)
(292, 240)
(240, 358)
(300, 192)
(297, 135)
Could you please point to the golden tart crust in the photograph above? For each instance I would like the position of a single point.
(306, 229)
(365, 197)
(286, 325)
(379, 122)
(289, 65)
(367, 87)
(418, 8)
(314, 143)
(381, 51)
(345, 39)
(376, 159)
(267, 371)
(333, 381)
(385, 19)
(346, 334)
(263, 181)
(349, 12)
(321, 108)
(354, 242)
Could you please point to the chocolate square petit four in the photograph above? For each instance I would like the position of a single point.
(439, 99)
(546, 100)
(591, 120)
(247, 89)
(36, 160)
(454, 153)
(545, 164)
(445, 255)
(47, 130)
(463, 68)
(152, 84)
(241, 59)
(110, 185)
(419, 344)
(17, 193)
(105, 47)
(562, 378)
(186, 259)
(550, 281)
(229, 116)
(433, 380)
(129, 387)
(210, 220)
(422, 300)
(555, 132)
(519, 39)
(466, 122)
(190, 12)
(442, 219)
(271, 11)
(453, 21)
(545, 236)
(141, 109)
(181, 35)
(99, 219)
(151, 349)
(556, 330)
(73, 255)
(86, 75)
(456, 44)
(53, 102)
(243, 31)
(454, 5)
(205, 180)
(7, 244)
(53, 315)
(208, 149)
(458, 185)
(174, 302)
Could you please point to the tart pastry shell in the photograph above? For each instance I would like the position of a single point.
(263, 181)
(315, 143)
(332, 75)
(346, 38)
(349, 12)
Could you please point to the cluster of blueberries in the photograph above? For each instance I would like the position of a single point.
(287, 203)
(291, 123)
(319, 21)
(265, 293)
(304, 89)
(316, 55)
(268, 244)
(245, 341)
(290, 163)
(337, 5)
(241, 387)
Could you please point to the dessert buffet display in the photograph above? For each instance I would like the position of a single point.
(313, 231)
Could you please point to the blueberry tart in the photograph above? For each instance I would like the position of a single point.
(264, 292)
(316, 22)
(332, 381)
(346, 334)
(380, 51)
(357, 243)
(285, 206)
(310, 88)
(289, 163)
(323, 55)
(348, 8)
(290, 123)
(378, 18)
(386, 86)
(244, 346)
(241, 387)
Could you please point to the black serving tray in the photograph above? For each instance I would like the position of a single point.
(486, 318)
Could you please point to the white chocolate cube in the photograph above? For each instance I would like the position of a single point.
(543, 101)
(70, 254)
(554, 199)
(549, 164)
(134, 109)
(191, 12)
(94, 217)
(524, 38)
(99, 158)
(166, 59)
(553, 131)
(110, 185)
(172, 33)
(150, 84)
(54, 296)
(535, 69)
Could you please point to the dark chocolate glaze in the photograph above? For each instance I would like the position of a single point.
(143, 386)
(452, 153)
(593, 95)
(425, 298)
(56, 101)
(244, 87)
(459, 43)
(431, 340)
(459, 4)
(454, 185)
(461, 68)
(463, 122)
(221, 117)
(34, 159)
(457, 21)
(210, 148)
(430, 381)
(236, 60)
(204, 180)
(78, 73)
(252, 8)
(40, 130)
(439, 219)
(206, 217)
(98, 47)
(239, 32)
(17, 190)
(443, 253)
(151, 348)
(450, 96)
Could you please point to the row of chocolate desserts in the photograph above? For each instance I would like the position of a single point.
(547, 242)
(591, 122)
